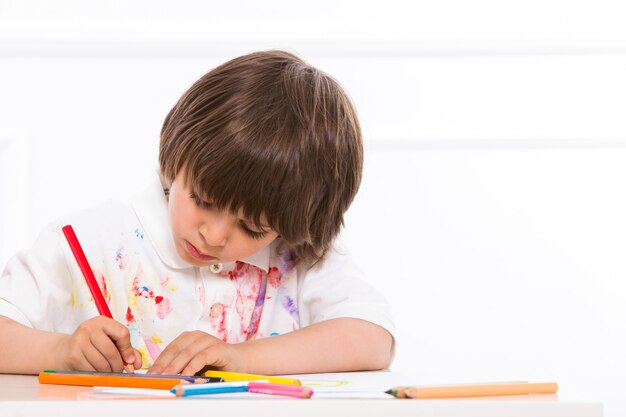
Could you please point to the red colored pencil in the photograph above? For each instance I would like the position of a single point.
(83, 264)
(94, 288)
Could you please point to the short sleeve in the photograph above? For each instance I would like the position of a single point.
(337, 289)
(35, 284)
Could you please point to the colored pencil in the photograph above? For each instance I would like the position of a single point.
(185, 390)
(83, 264)
(474, 390)
(109, 381)
(280, 389)
(235, 376)
(90, 279)
(192, 379)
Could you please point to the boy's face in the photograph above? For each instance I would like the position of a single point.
(205, 235)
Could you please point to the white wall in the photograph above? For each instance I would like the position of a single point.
(491, 212)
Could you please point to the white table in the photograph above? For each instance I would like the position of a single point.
(23, 396)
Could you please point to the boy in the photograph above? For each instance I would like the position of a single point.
(227, 260)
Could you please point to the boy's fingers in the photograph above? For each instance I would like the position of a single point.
(107, 349)
(196, 364)
(172, 352)
(96, 360)
(138, 359)
(166, 357)
(193, 353)
(120, 335)
(161, 362)
(83, 364)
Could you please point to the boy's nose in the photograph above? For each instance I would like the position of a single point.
(215, 232)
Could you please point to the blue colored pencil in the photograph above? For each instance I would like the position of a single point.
(213, 388)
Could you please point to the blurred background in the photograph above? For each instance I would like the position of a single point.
(492, 212)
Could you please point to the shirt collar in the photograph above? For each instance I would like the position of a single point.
(151, 209)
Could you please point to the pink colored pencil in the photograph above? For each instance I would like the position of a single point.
(280, 389)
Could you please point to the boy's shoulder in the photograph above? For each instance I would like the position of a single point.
(100, 222)
(115, 214)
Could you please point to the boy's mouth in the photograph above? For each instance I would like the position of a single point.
(193, 251)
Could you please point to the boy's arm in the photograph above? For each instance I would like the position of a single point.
(24, 350)
(97, 344)
(336, 345)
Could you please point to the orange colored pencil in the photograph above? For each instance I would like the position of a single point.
(475, 390)
(108, 381)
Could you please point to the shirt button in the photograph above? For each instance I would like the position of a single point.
(216, 268)
(216, 310)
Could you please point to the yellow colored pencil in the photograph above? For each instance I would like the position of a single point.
(235, 376)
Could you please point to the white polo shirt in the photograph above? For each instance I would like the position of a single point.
(150, 289)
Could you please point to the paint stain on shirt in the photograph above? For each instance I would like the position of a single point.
(74, 295)
(201, 294)
(286, 258)
(152, 345)
(121, 258)
(217, 316)
(163, 307)
(291, 306)
(130, 318)
(102, 283)
(273, 277)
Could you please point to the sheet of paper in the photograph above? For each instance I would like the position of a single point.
(125, 393)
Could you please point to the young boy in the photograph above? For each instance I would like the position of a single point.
(227, 260)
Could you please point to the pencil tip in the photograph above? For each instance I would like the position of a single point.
(389, 391)
(178, 390)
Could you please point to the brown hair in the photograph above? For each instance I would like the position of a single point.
(271, 135)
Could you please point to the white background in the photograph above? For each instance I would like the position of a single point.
(492, 211)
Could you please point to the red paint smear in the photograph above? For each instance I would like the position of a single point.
(158, 299)
(143, 290)
(103, 286)
(218, 322)
(273, 277)
(201, 294)
(221, 331)
(129, 316)
(164, 309)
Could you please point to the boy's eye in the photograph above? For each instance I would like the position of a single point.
(199, 202)
(252, 233)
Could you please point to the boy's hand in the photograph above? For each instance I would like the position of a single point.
(99, 344)
(192, 351)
